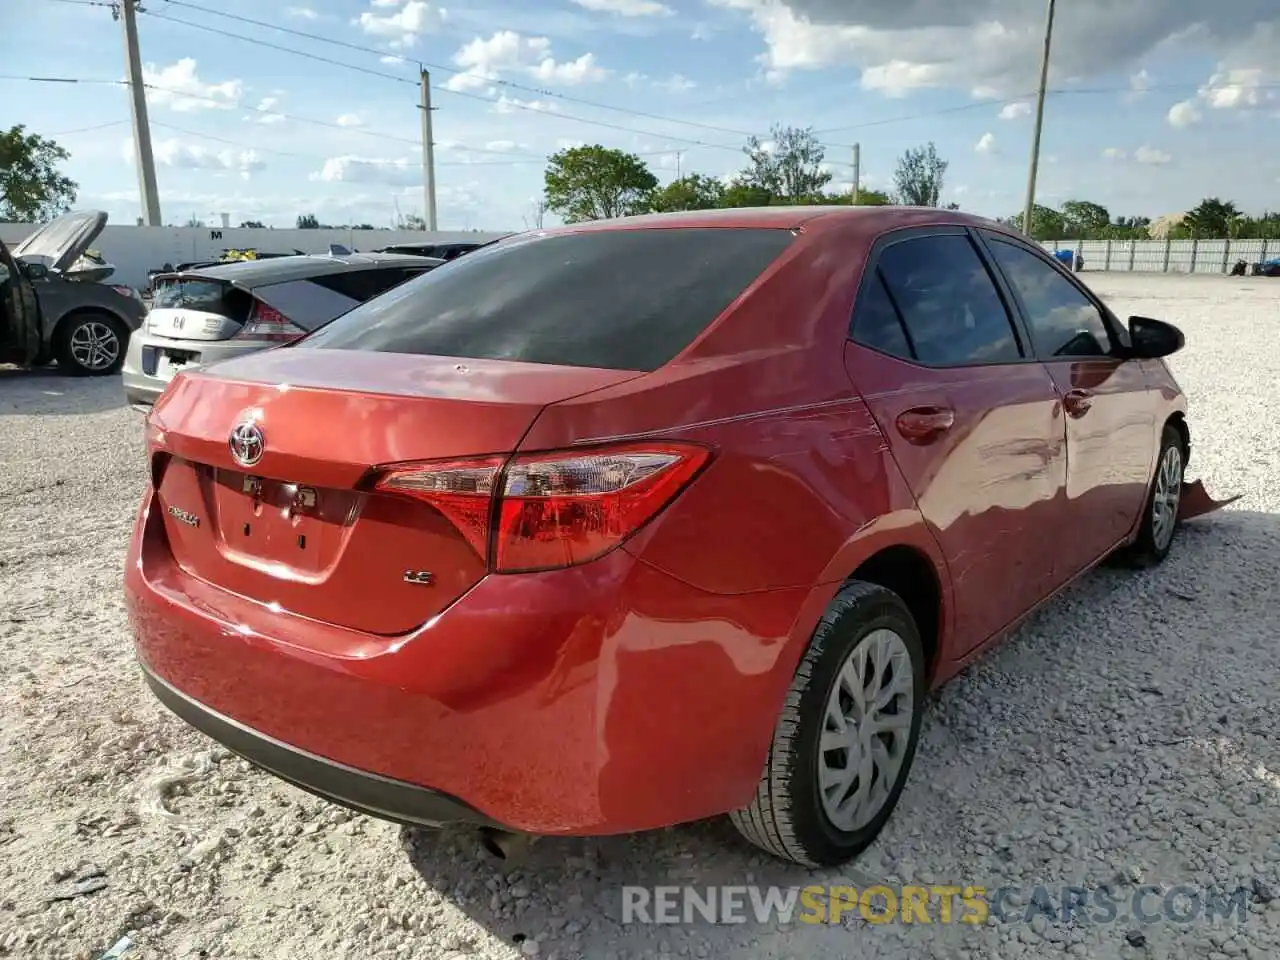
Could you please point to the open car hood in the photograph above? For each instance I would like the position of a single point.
(60, 243)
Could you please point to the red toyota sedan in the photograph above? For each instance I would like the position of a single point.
(630, 523)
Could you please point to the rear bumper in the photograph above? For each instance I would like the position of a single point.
(142, 375)
(607, 698)
(356, 789)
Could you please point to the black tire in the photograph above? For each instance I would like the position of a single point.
(1148, 549)
(66, 345)
(787, 818)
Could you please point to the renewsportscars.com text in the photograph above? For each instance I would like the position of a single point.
(937, 903)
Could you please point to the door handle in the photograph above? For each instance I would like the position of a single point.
(921, 425)
(1077, 402)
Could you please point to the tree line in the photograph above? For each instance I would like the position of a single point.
(597, 182)
(1211, 219)
(593, 182)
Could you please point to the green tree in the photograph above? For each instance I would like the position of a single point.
(789, 165)
(1046, 223)
(253, 225)
(597, 183)
(694, 192)
(919, 176)
(1212, 217)
(1082, 218)
(308, 221)
(873, 198)
(739, 194)
(31, 188)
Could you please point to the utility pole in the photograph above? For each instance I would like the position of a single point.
(428, 150)
(679, 161)
(125, 12)
(857, 171)
(1035, 136)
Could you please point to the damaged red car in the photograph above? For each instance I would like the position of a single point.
(630, 523)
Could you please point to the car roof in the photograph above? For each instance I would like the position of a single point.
(256, 273)
(874, 219)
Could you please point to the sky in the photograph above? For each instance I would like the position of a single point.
(256, 113)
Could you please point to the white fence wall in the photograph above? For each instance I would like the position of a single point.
(1167, 256)
(135, 250)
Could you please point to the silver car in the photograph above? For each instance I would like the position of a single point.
(207, 314)
(54, 304)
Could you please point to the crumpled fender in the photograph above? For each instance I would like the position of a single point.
(1196, 502)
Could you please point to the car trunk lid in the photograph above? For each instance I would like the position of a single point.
(301, 527)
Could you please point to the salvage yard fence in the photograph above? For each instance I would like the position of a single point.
(1167, 256)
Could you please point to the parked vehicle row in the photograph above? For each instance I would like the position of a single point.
(624, 524)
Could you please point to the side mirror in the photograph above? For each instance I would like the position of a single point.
(35, 271)
(1154, 338)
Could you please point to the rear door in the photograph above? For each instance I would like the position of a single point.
(1110, 414)
(972, 419)
(19, 314)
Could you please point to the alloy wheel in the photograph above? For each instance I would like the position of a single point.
(866, 730)
(94, 345)
(1166, 497)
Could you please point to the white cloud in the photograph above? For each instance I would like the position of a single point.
(1183, 114)
(395, 172)
(484, 61)
(627, 8)
(403, 27)
(178, 155)
(676, 83)
(1234, 89)
(392, 60)
(301, 13)
(506, 104)
(1151, 156)
(994, 46)
(502, 146)
(349, 120)
(179, 87)
(986, 143)
(1144, 154)
(266, 112)
(1012, 111)
(1140, 82)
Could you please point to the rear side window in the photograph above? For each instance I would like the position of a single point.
(361, 285)
(616, 299)
(209, 296)
(877, 324)
(948, 302)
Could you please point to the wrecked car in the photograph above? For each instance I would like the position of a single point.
(635, 522)
(55, 305)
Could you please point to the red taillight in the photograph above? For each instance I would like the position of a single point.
(553, 509)
(268, 323)
(462, 491)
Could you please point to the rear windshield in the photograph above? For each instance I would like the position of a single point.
(211, 296)
(616, 299)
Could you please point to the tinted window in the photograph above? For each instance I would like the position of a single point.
(1062, 320)
(616, 299)
(361, 285)
(876, 323)
(953, 314)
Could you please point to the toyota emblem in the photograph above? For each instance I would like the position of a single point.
(247, 443)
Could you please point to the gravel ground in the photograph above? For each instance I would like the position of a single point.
(1127, 735)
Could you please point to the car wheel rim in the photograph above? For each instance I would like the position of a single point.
(95, 345)
(1165, 500)
(866, 730)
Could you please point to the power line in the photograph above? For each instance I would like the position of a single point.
(440, 68)
(100, 126)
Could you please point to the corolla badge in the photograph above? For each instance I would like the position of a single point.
(247, 443)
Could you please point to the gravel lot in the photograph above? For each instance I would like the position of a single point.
(1125, 736)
